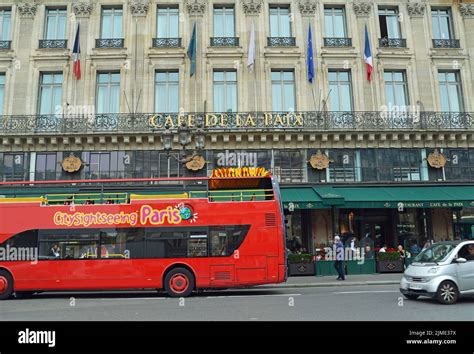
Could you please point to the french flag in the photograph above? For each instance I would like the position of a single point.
(76, 53)
(368, 56)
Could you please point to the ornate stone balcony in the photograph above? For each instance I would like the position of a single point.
(53, 44)
(392, 42)
(166, 42)
(224, 41)
(446, 43)
(109, 43)
(281, 41)
(337, 42)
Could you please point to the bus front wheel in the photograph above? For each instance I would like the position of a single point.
(179, 282)
(6, 285)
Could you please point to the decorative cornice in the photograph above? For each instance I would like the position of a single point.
(139, 7)
(416, 9)
(196, 7)
(307, 7)
(252, 7)
(82, 9)
(362, 8)
(28, 9)
(467, 10)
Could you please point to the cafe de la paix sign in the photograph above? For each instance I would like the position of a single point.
(228, 120)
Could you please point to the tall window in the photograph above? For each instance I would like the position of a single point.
(289, 166)
(5, 24)
(283, 91)
(442, 23)
(55, 24)
(108, 92)
(2, 92)
(225, 91)
(167, 91)
(50, 93)
(344, 166)
(341, 90)
(167, 22)
(396, 91)
(280, 24)
(13, 167)
(224, 23)
(450, 91)
(46, 164)
(389, 22)
(111, 23)
(334, 22)
(99, 165)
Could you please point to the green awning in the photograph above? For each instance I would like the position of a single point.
(391, 197)
(302, 198)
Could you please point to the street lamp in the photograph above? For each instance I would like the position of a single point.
(185, 135)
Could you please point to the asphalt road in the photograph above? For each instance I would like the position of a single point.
(348, 303)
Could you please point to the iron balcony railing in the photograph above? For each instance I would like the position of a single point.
(224, 41)
(53, 43)
(281, 41)
(446, 43)
(5, 45)
(392, 42)
(109, 43)
(337, 42)
(242, 121)
(166, 42)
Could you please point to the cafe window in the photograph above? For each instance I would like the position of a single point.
(13, 167)
(290, 166)
(343, 168)
(47, 166)
(460, 164)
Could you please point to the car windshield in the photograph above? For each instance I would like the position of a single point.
(435, 253)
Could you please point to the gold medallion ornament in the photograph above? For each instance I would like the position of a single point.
(196, 163)
(436, 159)
(71, 163)
(319, 161)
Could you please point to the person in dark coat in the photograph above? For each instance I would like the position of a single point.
(339, 257)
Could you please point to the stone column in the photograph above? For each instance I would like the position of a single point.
(308, 11)
(256, 78)
(362, 10)
(196, 10)
(138, 10)
(467, 12)
(416, 11)
(23, 69)
(82, 12)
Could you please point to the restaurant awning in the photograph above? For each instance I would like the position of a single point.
(302, 198)
(391, 197)
(385, 197)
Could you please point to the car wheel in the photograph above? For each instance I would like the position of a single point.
(411, 296)
(6, 285)
(179, 282)
(447, 293)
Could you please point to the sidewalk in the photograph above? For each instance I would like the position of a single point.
(311, 281)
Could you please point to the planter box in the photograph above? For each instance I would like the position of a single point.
(390, 266)
(301, 269)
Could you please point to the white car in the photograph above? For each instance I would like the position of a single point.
(443, 271)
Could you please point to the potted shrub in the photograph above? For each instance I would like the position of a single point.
(301, 264)
(389, 262)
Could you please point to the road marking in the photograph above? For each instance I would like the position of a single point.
(366, 292)
(285, 295)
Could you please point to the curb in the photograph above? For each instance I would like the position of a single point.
(321, 285)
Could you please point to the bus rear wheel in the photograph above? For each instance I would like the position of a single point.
(179, 282)
(6, 285)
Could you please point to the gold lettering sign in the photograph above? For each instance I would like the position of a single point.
(319, 161)
(71, 163)
(196, 163)
(436, 159)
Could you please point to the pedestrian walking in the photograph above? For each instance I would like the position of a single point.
(339, 254)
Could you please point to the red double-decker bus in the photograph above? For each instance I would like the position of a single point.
(180, 234)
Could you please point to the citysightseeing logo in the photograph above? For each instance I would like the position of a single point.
(146, 215)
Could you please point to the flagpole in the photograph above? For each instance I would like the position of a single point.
(254, 66)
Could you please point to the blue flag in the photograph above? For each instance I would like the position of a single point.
(310, 56)
(192, 50)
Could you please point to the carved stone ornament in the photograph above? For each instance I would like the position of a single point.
(27, 9)
(416, 9)
(319, 161)
(71, 163)
(196, 7)
(362, 8)
(252, 7)
(82, 9)
(196, 163)
(436, 159)
(307, 7)
(139, 7)
(467, 10)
